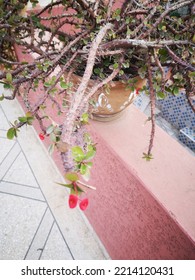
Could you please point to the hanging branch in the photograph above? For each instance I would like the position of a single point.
(152, 105)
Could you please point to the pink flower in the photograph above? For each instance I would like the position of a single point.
(137, 90)
(41, 136)
(83, 204)
(73, 199)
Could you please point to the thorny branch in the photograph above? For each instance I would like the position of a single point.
(98, 40)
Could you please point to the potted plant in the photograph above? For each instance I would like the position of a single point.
(102, 42)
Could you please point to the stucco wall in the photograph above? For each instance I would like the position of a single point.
(130, 221)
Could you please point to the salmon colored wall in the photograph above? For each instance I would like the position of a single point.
(130, 221)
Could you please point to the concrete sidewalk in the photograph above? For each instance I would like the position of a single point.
(35, 220)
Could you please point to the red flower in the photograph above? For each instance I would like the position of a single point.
(41, 136)
(73, 199)
(83, 204)
(137, 90)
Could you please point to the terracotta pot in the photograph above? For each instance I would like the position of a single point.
(110, 105)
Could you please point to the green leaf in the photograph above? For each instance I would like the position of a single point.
(70, 176)
(83, 169)
(2, 97)
(86, 176)
(161, 95)
(175, 90)
(70, 186)
(147, 157)
(9, 77)
(77, 153)
(97, 71)
(85, 118)
(51, 149)
(50, 129)
(47, 84)
(11, 133)
(64, 85)
(89, 155)
(53, 137)
(78, 190)
(89, 164)
(115, 66)
(191, 74)
(7, 86)
(125, 64)
(30, 120)
(142, 71)
(22, 119)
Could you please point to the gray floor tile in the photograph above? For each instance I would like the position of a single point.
(9, 159)
(40, 238)
(3, 121)
(17, 231)
(6, 146)
(3, 134)
(55, 248)
(20, 190)
(20, 172)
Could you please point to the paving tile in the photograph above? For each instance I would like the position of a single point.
(3, 134)
(3, 121)
(21, 190)
(55, 248)
(20, 218)
(20, 172)
(5, 146)
(32, 235)
(9, 159)
(37, 246)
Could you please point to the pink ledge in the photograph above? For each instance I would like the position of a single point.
(142, 210)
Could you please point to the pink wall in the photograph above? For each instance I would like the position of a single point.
(131, 223)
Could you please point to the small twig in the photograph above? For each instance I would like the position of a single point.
(109, 9)
(12, 97)
(96, 6)
(190, 102)
(179, 60)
